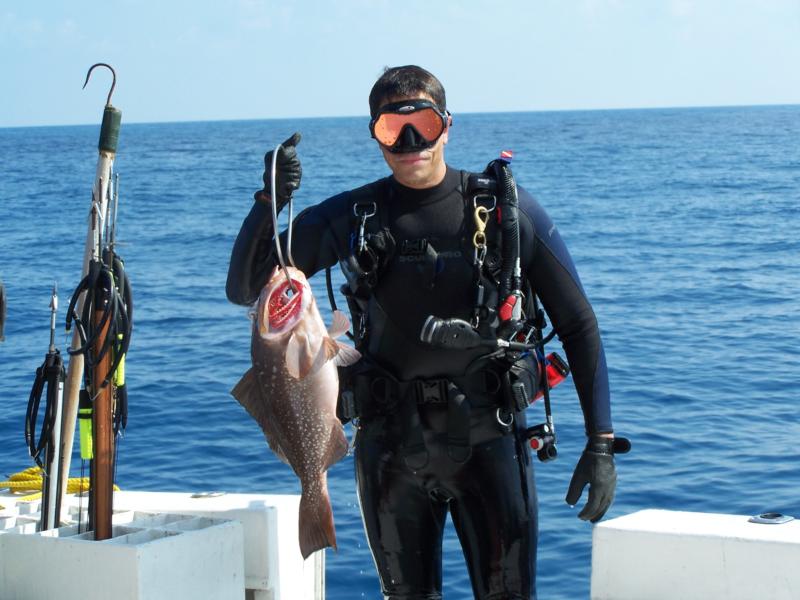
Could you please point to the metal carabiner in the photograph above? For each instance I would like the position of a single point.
(481, 219)
(479, 256)
(479, 197)
(363, 216)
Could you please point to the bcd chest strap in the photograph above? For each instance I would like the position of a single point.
(481, 208)
(370, 247)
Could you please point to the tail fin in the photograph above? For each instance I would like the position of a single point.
(316, 518)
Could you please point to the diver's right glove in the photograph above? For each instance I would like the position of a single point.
(288, 173)
(596, 467)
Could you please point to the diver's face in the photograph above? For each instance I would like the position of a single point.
(418, 170)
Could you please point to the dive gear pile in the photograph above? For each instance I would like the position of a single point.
(104, 327)
(101, 310)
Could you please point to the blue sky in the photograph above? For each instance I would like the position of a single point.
(253, 59)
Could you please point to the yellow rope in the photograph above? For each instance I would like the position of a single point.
(32, 479)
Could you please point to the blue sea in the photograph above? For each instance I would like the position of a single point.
(683, 224)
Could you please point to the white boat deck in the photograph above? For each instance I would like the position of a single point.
(669, 555)
(165, 546)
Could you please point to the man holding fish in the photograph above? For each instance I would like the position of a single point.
(430, 270)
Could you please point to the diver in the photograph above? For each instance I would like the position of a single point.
(437, 432)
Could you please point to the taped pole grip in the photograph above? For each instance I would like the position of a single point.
(109, 130)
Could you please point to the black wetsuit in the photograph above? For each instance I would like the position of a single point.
(491, 495)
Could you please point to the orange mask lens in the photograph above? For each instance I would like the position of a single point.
(426, 121)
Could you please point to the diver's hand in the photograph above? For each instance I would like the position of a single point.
(287, 173)
(596, 467)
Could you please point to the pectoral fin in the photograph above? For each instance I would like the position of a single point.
(342, 354)
(247, 390)
(346, 356)
(301, 355)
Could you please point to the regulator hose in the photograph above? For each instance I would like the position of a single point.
(49, 374)
(107, 289)
(509, 225)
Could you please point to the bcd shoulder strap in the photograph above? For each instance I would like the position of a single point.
(369, 247)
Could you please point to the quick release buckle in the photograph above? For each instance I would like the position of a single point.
(414, 247)
(431, 391)
(347, 405)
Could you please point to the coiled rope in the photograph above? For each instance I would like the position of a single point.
(31, 480)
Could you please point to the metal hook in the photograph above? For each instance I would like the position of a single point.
(113, 82)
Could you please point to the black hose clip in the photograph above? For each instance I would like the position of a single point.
(542, 439)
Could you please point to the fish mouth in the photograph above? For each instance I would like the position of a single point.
(284, 305)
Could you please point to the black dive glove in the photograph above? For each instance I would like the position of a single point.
(596, 467)
(287, 176)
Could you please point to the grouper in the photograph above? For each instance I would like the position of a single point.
(291, 392)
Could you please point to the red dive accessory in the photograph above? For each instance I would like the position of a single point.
(510, 308)
(557, 371)
(409, 125)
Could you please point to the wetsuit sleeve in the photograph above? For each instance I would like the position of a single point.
(251, 256)
(551, 272)
(315, 246)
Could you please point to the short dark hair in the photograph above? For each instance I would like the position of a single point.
(408, 80)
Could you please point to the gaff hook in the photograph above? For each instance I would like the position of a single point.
(113, 82)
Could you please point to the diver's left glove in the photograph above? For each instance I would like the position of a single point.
(596, 467)
(288, 173)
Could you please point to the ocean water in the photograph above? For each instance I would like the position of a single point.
(683, 224)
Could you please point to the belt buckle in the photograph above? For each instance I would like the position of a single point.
(431, 391)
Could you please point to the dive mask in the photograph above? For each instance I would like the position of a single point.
(409, 125)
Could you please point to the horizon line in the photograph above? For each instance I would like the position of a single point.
(366, 116)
